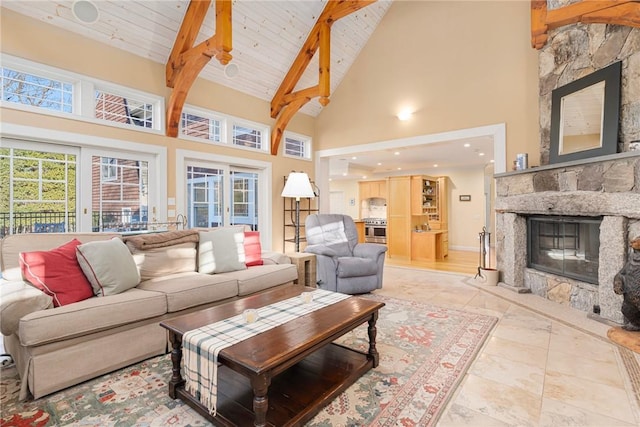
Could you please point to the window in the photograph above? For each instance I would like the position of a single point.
(37, 91)
(247, 137)
(201, 127)
(120, 109)
(121, 202)
(37, 191)
(28, 85)
(200, 124)
(109, 169)
(297, 145)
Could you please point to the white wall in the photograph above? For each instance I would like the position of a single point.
(349, 188)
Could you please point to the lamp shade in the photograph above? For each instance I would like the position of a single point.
(298, 185)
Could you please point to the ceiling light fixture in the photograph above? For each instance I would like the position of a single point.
(480, 154)
(404, 115)
(231, 70)
(379, 164)
(467, 145)
(85, 11)
(435, 166)
(396, 153)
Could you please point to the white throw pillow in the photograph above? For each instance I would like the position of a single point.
(221, 250)
(109, 266)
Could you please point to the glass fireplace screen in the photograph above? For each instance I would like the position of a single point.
(566, 246)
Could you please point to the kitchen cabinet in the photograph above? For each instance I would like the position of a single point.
(360, 230)
(429, 199)
(371, 189)
(429, 245)
(399, 217)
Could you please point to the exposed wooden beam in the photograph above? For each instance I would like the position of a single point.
(324, 77)
(283, 120)
(319, 37)
(186, 61)
(193, 19)
(619, 12)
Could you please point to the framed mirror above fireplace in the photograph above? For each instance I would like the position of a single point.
(585, 116)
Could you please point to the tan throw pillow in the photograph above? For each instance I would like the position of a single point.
(221, 250)
(109, 266)
(161, 262)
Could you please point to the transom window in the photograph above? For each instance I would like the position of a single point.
(201, 127)
(29, 85)
(247, 137)
(37, 91)
(120, 109)
(297, 145)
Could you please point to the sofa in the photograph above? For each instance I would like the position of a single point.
(56, 346)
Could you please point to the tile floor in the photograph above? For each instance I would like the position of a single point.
(543, 365)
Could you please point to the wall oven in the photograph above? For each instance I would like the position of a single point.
(375, 230)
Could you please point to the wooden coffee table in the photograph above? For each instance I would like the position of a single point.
(286, 375)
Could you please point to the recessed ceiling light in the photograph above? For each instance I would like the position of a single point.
(364, 176)
(353, 157)
(492, 161)
(435, 165)
(404, 115)
(344, 174)
(379, 164)
(399, 169)
(467, 145)
(396, 153)
(85, 11)
(480, 154)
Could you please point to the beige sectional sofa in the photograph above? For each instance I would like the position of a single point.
(57, 347)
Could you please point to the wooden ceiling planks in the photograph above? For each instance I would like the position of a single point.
(619, 12)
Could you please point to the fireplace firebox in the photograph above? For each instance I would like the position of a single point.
(566, 246)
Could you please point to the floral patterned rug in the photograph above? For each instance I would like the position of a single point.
(424, 352)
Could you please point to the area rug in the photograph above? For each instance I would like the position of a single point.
(425, 351)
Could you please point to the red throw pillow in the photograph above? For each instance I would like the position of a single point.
(252, 248)
(57, 273)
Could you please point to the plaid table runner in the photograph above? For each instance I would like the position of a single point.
(201, 346)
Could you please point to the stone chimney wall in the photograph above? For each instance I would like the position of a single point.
(608, 186)
(574, 51)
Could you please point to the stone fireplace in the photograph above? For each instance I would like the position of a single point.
(605, 188)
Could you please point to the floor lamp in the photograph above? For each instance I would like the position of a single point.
(297, 185)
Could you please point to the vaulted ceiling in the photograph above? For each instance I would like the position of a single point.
(267, 36)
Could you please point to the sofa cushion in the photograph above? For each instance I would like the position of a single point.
(18, 299)
(91, 315)
(185, 290)
(109, 266)
(221, 250)
(165, 261)
(262, 277)
(252, 248)
(57, 273)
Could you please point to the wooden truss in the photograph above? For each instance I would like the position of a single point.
(186, 61)
(620, 12)
(286, 103)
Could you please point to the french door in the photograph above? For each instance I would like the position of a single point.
(118, 197)
(58, 188)
(219, 195)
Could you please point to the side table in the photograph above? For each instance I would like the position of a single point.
(306, 265)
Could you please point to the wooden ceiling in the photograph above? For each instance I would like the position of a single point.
(267, 36)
